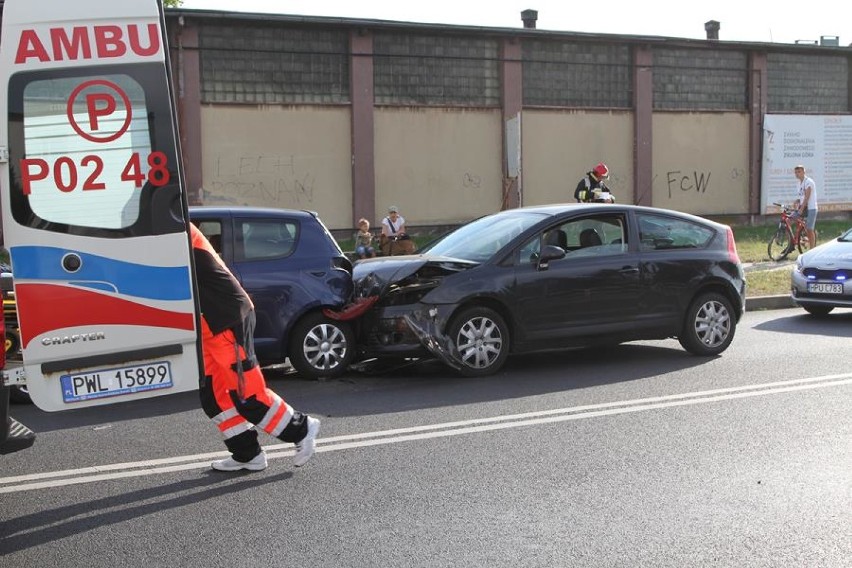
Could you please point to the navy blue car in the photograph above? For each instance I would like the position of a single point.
(293, 270)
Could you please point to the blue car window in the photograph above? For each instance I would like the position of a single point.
(264, 239)
(213, 231)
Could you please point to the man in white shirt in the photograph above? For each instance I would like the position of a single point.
(806, 202)
(394, 224)
(394, 238)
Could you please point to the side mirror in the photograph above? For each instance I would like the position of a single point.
(551, 252)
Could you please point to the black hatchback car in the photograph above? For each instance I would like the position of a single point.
(554, 277)
(295, 273)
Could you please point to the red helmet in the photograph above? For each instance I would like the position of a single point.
(601, 171)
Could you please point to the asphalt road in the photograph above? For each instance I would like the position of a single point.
(639, 455)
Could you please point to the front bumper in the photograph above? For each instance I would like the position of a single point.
(802, 296)
(387, 330)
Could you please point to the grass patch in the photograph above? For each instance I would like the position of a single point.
(773, 282)
(752, 241)
(348, 245)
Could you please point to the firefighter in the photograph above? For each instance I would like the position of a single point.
(592, 188)
(233, 391)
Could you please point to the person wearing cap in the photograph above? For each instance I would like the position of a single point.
(592, 188)
(806, 202)
(394, 239)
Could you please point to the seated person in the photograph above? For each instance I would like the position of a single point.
(394, 240)
(364, 240)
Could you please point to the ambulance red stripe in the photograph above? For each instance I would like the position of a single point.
(53, 307)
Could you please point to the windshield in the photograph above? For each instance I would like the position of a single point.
(846, 237)
(479, 240)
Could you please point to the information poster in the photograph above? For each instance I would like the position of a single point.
(821, 143)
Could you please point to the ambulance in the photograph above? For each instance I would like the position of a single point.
(94, 210)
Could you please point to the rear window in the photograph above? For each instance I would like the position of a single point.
(264, 239)
(68, 173)
(658, 232)
(92, 151)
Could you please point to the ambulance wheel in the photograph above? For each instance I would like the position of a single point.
(19, 395)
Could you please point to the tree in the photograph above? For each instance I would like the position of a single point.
(172, 3)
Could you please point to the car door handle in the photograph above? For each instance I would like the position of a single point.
(629, 270)
(317, 273)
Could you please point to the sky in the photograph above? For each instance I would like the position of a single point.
(781, 21)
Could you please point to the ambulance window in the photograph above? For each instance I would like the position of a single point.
(92, 151)
(86, 145)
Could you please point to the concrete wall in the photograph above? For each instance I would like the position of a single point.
(700, 162)
(437, 165)
(288, 157)
(559, 147)
(443, 165)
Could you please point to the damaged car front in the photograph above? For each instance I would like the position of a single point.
(420, 297)
(408, 312)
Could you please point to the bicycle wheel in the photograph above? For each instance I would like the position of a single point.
(802, 243)
(780, 244)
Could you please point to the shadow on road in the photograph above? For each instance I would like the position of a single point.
(835, 324)
(430, 384)
(411, 385)
(41, 421)
(46, 526)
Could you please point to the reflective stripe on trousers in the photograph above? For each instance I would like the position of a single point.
(226, 362)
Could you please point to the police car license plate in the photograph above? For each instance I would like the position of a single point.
(825, 288)
(116, 381)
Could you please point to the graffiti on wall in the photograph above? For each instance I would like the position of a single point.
(694, 181)
(260, 180)
(471, 180)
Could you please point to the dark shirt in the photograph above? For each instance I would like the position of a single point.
(587, 184)
(224, 303)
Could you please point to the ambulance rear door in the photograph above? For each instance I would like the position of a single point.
(94, 214)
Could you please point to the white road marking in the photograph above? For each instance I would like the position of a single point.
(429, 431)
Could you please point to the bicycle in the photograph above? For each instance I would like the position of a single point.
(791, 234)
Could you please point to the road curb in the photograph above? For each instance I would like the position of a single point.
(769, 303)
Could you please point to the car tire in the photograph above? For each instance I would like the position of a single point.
(481, 337)
(321, 346)
(20, 395)
(709, 325)
(818, 311)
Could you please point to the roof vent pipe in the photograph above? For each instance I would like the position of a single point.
(712, 29)
(529, 17)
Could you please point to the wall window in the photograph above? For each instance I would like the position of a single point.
(579, 75)
(800, 83)
(265, 64)
(435, 70)
(700, 79)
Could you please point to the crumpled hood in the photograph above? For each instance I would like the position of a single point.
(373, 276)
(830, 255)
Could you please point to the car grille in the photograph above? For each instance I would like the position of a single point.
(834, 275)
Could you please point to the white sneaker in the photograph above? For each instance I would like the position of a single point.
(306, 448)
(257, 463)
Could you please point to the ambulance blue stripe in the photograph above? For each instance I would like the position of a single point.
(137, 280)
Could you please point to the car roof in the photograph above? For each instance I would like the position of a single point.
(555, 209)
(246, 211)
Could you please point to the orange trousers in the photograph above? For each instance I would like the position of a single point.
(235, 396)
